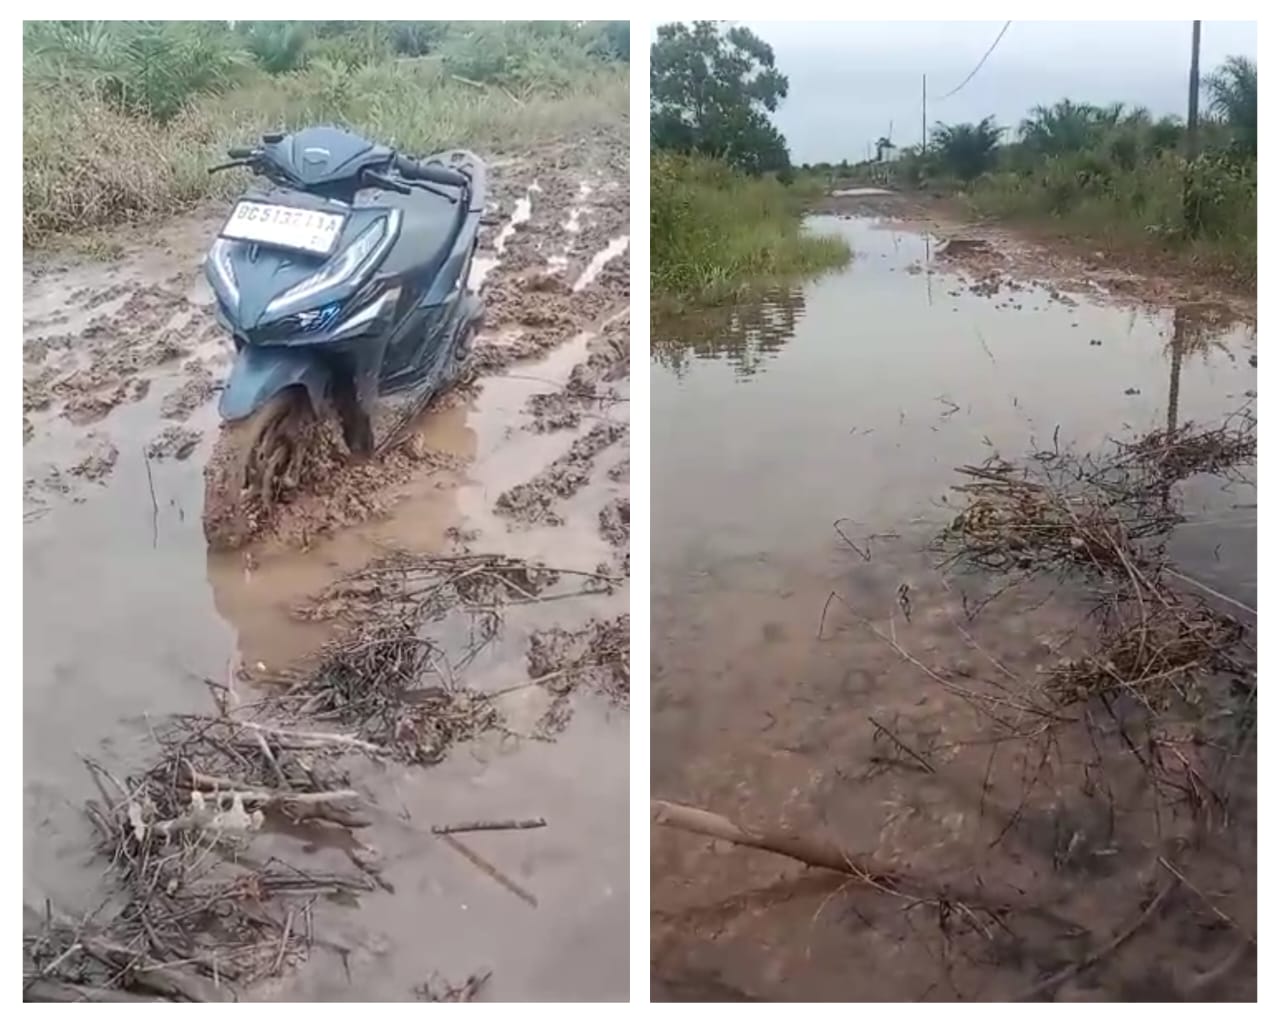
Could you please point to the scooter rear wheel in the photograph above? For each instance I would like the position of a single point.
(256, 462)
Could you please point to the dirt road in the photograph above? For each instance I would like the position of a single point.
(126, 613)
(805, 445)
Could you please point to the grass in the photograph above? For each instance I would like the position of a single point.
(715, 233)
(1116, 182)
(1139, 210)
(90, 162)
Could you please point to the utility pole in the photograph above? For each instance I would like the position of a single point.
(1190, 215)
(924, 137)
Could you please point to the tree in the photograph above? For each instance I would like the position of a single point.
(967, 150)
(1233, 98)
(1068, 127)
(711, 91)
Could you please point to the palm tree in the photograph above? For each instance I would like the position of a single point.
(1068, 127)
(1233, 98)
(967, 150)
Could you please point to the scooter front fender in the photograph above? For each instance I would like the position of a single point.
(261, 373)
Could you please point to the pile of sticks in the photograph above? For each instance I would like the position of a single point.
(197, 916)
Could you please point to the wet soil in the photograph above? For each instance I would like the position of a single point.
(804, 444)
(126, 611)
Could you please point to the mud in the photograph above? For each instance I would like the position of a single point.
(174, 442)
(197, 389)
(596, 656)
(535, 500)
(137, 534)
(1044, 256)
(99, 463)
(588, 389)
(817, 678)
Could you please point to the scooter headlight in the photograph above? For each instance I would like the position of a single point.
(223, 269)
(347, 267)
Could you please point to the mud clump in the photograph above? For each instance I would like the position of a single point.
(198, 388)
(587, 389)
(37, 350)
(90, 407)
(28, 431)
(35, 391)
(532, 502)
(597, 656)
(615, 527)
(99, 463)
(330, 492)
(173, 442)
(621, 473)
(529, 321)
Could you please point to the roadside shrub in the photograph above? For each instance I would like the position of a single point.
(714, 231)
(140, 67)
(90, 162)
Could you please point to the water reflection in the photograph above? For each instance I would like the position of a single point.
(745, 335)
(1199, 328)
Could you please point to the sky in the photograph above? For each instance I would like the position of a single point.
(851, 80)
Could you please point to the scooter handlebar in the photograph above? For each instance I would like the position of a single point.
(435, 172)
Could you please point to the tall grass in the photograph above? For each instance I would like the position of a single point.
(714, 232)
(90, 163)
(1114, 176)
(1142, 207)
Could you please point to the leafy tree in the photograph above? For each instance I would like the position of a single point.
(967, 150)
(711, 91)
(1233, 97)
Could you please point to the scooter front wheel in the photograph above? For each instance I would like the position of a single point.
(255, 463)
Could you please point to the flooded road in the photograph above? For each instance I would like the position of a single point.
(851, 400)
(126, 613)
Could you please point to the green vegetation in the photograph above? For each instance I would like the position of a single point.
(1113, 175)
(967, 150)
(121, 119)
(711, 91)
(715, 231)
(725, 214)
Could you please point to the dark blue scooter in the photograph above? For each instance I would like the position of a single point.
(343, 281)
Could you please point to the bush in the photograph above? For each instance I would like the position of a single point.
(139, 67)
(714, 231)
(277, 46)
(88, 163)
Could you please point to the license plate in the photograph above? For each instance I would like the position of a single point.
(285, 227)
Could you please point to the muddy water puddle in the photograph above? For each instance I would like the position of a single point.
(854, 398)
(125, 613)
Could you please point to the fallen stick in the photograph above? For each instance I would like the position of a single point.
(499, 825)
(918, 758)
(62, 991)
(488, 868)
(298, 740)
(1212, 592)
(297, 806)
(1067, 972)
(828, 855)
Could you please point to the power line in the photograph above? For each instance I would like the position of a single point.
(990, 50)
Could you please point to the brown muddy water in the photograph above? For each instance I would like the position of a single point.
(125, 612)
(853, 398)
